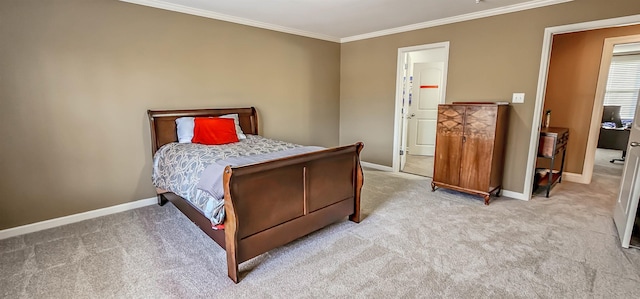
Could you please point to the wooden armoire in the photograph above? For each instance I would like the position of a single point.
(470, 147)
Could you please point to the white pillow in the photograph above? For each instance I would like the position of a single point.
(184, 127)
(237, 122)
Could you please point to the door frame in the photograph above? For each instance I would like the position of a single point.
(542, 86)
(398, 127)
(596, 115)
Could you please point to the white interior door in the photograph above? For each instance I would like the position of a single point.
(423, 108)
(624, 213)
(405, 106)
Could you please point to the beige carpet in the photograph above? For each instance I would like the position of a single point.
(602, 163)
(419, 165)
(411, 243)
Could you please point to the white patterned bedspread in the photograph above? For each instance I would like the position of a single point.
(177, 167)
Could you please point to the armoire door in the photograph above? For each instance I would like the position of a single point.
(477, 148)
(449, 144)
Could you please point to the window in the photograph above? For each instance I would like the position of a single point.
(623, 84)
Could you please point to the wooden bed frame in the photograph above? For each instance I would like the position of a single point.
(272, 203)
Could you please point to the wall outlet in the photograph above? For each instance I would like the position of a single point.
(518, 98)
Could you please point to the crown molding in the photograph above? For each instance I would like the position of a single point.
(461, 18)
(228, 18)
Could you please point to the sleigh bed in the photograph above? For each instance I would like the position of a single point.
(269, 204)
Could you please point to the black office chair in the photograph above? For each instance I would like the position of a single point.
(624, 154)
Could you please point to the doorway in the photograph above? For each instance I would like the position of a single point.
(621, 75)
(542, 86)
(626, 205)
(421, 86)
(617, 91)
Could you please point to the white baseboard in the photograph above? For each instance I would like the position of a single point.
(51, 223)
(574, 177)
(376, 166)
(516, 195)
(507, 193)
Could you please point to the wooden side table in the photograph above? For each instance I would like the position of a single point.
(553, 141)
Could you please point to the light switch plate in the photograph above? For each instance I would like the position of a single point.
(518, 98)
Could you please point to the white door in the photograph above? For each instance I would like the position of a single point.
(624, 213)
(423, 108)
(406, 97)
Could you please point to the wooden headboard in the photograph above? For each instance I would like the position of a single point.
(163, 122)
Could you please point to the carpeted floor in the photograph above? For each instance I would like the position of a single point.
(603, 165)
(411, 243)
(419, 165)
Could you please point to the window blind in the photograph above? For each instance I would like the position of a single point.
(623, 84)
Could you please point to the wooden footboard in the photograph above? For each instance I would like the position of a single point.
(273, 203)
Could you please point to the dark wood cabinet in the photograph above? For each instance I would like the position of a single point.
(470, 142)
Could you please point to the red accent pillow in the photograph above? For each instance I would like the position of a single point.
(214, 130)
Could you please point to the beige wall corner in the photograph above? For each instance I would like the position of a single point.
(78, 77)
(489, 59)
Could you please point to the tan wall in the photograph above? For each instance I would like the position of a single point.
(571, 85)
(489, 59)
(77, 76)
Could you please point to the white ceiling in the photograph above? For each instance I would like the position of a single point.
(345, 20)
